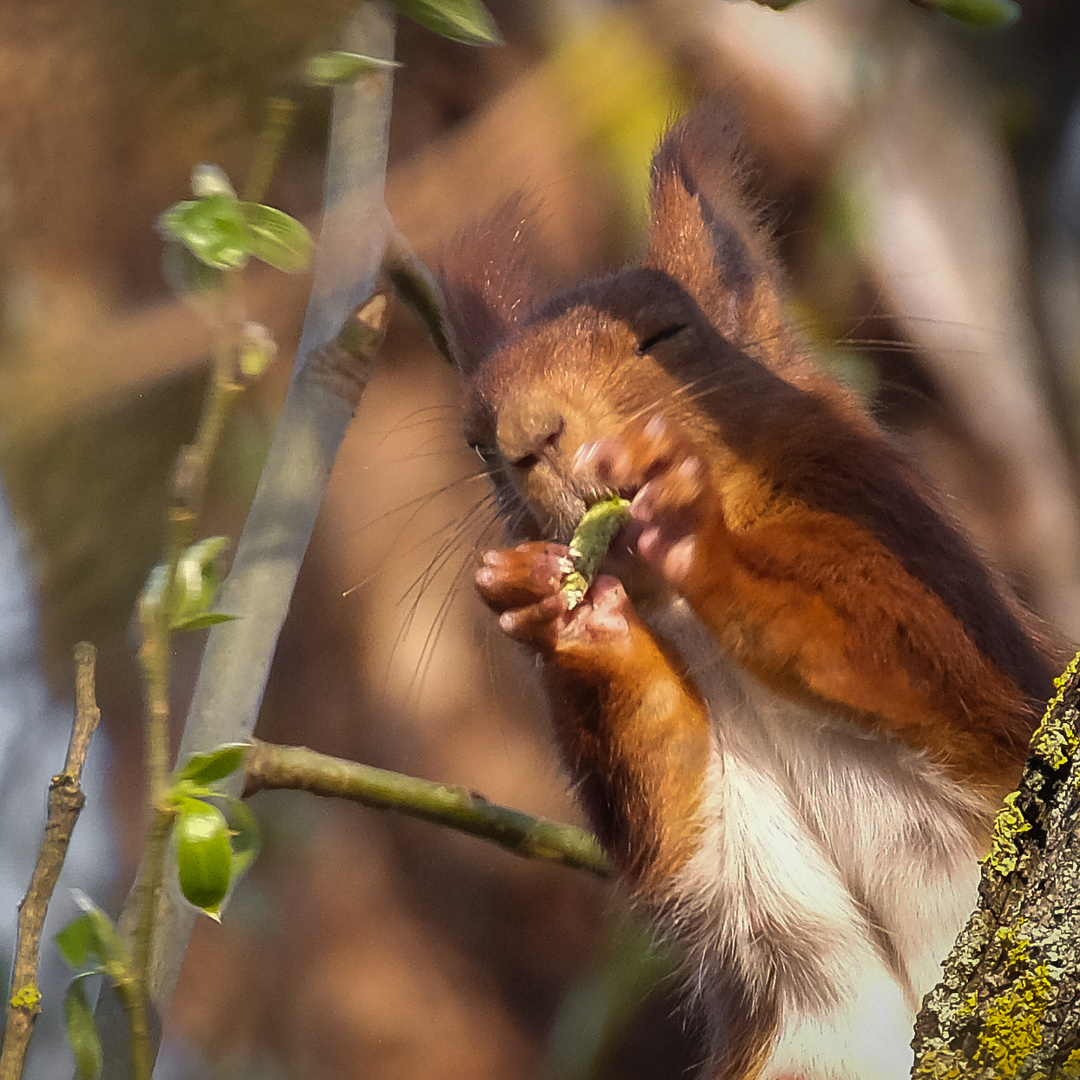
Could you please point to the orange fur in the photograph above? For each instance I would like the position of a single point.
(644, 734)
(862, 636)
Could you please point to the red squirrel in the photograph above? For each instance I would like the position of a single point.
(795, 694)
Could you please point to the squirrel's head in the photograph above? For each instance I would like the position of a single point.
(696, 321)
(695, 331)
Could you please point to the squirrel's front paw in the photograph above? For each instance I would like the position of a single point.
(675, 508)
(524, 586)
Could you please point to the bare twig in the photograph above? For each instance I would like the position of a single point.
(296, 767)
(155, 653)
(65, 802)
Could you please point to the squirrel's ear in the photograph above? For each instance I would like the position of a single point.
(706, 233)
(486, 283)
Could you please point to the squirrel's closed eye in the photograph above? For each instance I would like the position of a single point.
(653, 340)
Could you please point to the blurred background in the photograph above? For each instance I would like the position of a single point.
(923, 184)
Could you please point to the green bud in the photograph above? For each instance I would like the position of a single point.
(203, 855)
(209, 180)
(223, 233)
(257, 350)
(194, 586)
(590, 543)
(212, 228)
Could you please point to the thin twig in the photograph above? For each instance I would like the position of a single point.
(66, 800)
(279, 117)
(155, 652)
(296, 767)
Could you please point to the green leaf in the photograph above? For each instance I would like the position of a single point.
(243, 835)
(223, 232)
(204, 622)
(77, 943)
(91, 942)
(467, 21)
(214, 765)
(82, 1032)
(336, 68)
(198, 575)
(213, 228)
(276, 238)
(986, 14)
(203, 855)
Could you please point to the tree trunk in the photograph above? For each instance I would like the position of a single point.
(1008, 1006)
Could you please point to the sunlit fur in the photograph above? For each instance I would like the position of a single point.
(833, 874)
(791, 737)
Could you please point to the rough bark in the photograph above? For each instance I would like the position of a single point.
(1009, 1003)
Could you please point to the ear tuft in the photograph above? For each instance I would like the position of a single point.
(707, 232)
(487, 284)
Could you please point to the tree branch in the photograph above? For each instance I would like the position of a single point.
(66, 800)
(268, 766)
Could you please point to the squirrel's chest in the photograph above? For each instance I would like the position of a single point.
(835, 867)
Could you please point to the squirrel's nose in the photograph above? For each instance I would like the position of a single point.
(530, 428)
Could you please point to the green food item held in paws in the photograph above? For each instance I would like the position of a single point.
(590, 542)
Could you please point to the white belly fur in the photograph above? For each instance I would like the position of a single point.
(834, 873)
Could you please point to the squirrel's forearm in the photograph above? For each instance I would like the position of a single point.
(636, 737)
